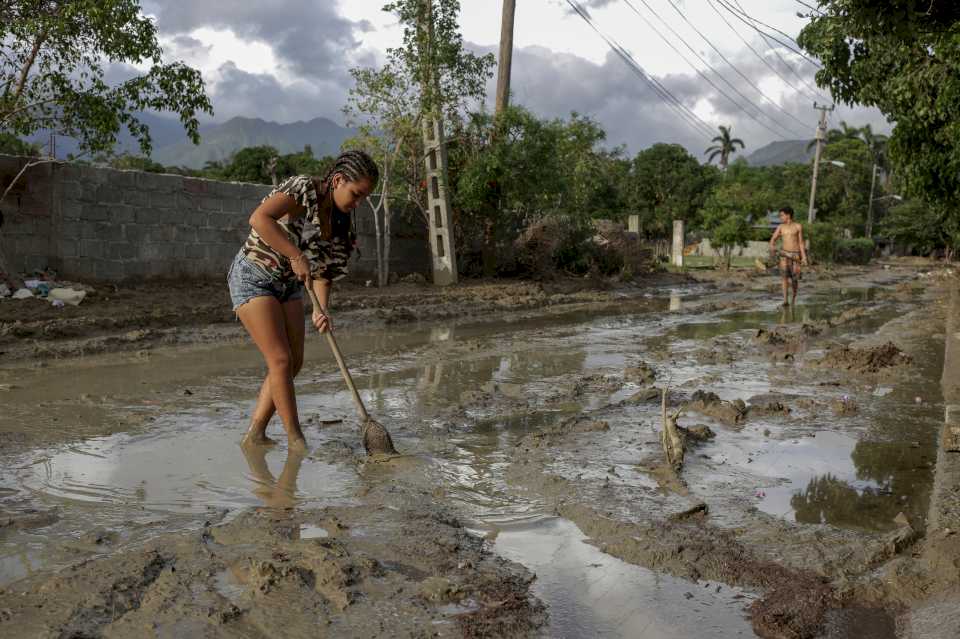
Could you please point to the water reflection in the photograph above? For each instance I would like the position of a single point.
(274, 492)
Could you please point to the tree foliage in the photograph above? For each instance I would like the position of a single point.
(903, 57)
(666, 183)
(53, 60)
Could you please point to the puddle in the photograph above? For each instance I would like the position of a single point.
(187, 468)
(591, 594)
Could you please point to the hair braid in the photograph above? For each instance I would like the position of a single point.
(354, 165)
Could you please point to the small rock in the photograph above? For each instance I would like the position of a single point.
(901, 520)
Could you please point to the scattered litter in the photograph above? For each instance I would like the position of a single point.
(919, 400)
(22, 294)
(67, 296)
(57, 303)
(760, 494)
(4, 290)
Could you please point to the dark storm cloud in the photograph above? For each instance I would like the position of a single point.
(308, 36)
(554, 84)
(240, 93)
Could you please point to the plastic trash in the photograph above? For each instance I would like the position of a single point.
(57, 303)
(67, 296)
(22, 294)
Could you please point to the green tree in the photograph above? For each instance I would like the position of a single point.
(52, 72)
(431, 75)
(843, 193)
(727, 213)
(666, 183)
(903, 57)
(725, 146)
(12, 145)
(845, 132)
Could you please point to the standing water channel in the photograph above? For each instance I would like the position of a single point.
(458, 399)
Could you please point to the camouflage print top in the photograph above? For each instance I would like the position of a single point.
(323, 233)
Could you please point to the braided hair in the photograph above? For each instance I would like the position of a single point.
(354, 165)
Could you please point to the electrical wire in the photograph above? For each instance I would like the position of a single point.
(811, 93)
(752, 22)
(734, 67)
(688, 116)
(706, 78)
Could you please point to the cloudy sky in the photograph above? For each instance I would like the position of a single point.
(288, 60)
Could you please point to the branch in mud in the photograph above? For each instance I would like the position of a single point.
(673, 441)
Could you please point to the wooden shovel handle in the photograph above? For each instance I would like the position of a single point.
(343, 365)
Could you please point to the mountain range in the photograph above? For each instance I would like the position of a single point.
(782, 152)
(171, 147)
(218, 141)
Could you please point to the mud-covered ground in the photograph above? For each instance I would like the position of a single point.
(531, 498)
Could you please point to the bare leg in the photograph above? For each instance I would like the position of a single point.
(265, 408)
(264, 319)
(796, 284)
(785, 280)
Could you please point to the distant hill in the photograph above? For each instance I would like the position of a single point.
(219, 141)
(782, 152)
(163, 132)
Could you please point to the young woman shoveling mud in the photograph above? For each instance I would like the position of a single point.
(281, 255)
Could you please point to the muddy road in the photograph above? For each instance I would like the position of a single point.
(530, 498)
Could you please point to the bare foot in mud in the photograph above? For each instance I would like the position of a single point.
(256, 436)
(256, 439)
(298, 445)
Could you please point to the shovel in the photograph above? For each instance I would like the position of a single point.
(376, 438)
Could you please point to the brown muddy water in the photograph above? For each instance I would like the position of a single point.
(458, 399)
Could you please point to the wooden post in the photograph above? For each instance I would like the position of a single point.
(676, 253)
(439, 220)
(506, 55)
(821, 137)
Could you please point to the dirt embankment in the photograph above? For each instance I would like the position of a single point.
(136, 317)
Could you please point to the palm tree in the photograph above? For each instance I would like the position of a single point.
(845, 132)
(725, 147)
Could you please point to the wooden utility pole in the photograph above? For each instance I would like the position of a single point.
(439, 219)
(873, 185)
(821, 137)
(506, 55)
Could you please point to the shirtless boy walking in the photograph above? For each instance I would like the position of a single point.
(792, 253)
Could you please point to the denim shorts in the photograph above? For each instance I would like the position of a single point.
(248, 280)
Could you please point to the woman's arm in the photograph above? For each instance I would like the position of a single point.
(264, 222)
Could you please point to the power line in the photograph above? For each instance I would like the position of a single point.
(752, 22)
(809, 6)
(732, 66)
(751, 115)
(813, 94)
(688, 116)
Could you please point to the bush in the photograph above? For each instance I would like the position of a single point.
(856, 251)
(824, 241)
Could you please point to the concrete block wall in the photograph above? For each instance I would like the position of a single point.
(101, 224)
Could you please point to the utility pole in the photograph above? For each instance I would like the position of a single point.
(439, 220)
(506, 55)
(821, 137)
(873, 184)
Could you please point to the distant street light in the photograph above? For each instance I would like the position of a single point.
(838, 163)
